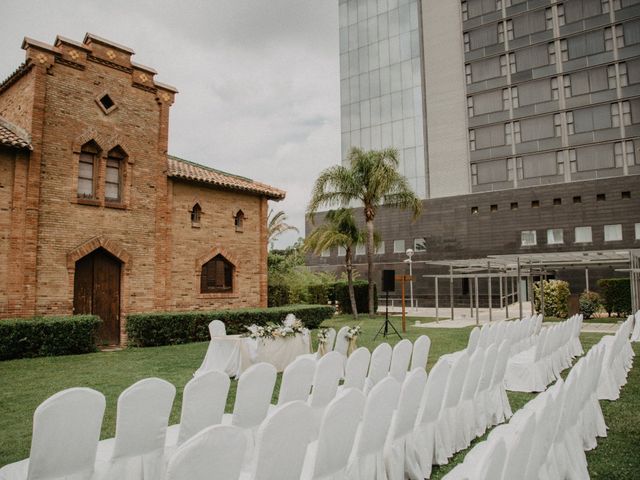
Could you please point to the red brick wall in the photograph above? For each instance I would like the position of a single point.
(16, 103)
(216, 233)
(6, 192)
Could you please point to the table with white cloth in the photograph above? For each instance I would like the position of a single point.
(233, 354)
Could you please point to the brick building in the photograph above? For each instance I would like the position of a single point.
(95, 216)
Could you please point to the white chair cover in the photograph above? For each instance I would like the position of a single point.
(468, 409)
(137, 451)
(215, 453)
(474, 338)
(342, 342)
(483, 416)
(66, 429)
(281, 443)
(450, 426)
(400, 359)
(326, 379)
(498, 401)
(420, 354)
(635, 336)
(400, 454)
(367, 458)
(379, 366)
(356, 369)
(296, 380)
(217, 329)
(327, 457)
(203, 403)
(253, 396)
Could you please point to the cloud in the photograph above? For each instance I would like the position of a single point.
(258, 80)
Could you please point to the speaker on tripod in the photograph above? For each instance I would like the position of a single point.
(388, 285)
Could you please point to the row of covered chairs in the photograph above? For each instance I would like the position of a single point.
(550, 352)
(547, 438)
(517, 332)
(617, 362)
(143, 439)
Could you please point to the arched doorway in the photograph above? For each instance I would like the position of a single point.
(96, 291)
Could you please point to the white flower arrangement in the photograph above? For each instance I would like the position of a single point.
(289, 328)
(353, 332)
(323, 336)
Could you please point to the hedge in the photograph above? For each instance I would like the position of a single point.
(48, 336)
(361, 291)
(155, 329)
(616, 295)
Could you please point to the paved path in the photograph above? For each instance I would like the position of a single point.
(462, 317)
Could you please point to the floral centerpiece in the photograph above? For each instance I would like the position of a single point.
(289, 328)
(352, 334)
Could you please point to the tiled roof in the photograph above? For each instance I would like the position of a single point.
(15, 75)
(13, 136)
(186, 170)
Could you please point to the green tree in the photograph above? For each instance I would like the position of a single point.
(338, 230)
(277, 225)
(371, 178)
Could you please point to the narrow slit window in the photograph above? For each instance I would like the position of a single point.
(87, 171)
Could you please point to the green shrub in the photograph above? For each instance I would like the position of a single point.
(154, 329)
(556, 298)
(590, 303)
(616, 295)
(48, 336)
(278, 295)
(318, 294)
(361, 291)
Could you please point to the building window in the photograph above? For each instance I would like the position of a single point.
(619, 36)
(571, 129)
(557, 201)
(380, 248)
(535, 203)
(465, 10)
(238, 221)
(557, 123)
(420, 245)
(516, 132)
(509, 58)
(631, 153)
(510, 168)
(626, 113)
(637, 231)
(474, 174)
(564, 50)
(216, 276)
(398, 246)
(561, 19)
(515, 101)
(500, 32)
(196, 213)
(519, 169)
(573, 165)
(113, 175)
(528, 238)
(566, 81)
(493, 207)
(506, 100)
(470, 106)
(514, 205)
(618, 154)
(551, 50)
(613, 233)
(555, 94)
(361, 249)
(601, 197)
(608, 39)
(615, 115)
(510, 29)
(605, 6)
(467, 42)
(474, 211)
(560, 163)
(467, 73)
(472, 140)
(625, 195)
(624, 78)
(87, 170)
(611, 75)
(583, 235)
(555, 236)
(342, 252)
(508, 129)
(325, 253)
(549, 17)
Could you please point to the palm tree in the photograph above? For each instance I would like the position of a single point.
(338, 230)
(372, 179)
(276, 224)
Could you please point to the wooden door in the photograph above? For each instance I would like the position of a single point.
(97, 291)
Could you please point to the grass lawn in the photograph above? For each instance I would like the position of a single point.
(24, 384)
(590, 320)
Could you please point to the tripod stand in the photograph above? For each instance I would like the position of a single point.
(384, 328)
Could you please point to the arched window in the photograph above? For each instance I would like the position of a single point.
(196, 212)
(216, 275)
(87, 169)
(113, 175)
(239, 220)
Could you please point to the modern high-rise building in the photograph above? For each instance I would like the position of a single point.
(517, 122)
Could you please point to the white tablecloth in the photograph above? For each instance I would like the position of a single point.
(233, 354)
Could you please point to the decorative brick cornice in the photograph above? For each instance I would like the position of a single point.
(107, 63)
(110, 245)
(69, 63)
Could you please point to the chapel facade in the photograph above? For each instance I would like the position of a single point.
(95, 216)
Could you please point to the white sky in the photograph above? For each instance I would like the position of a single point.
(258, 79)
